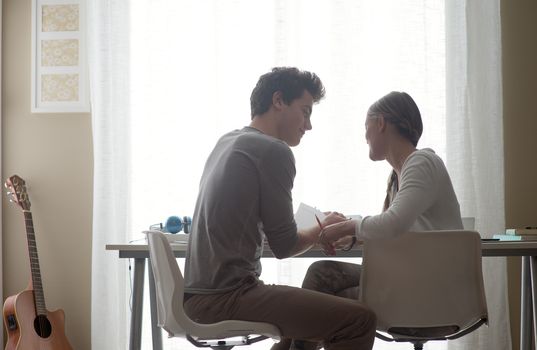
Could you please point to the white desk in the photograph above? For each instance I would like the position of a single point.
(140, 253)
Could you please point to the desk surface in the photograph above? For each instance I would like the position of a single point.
(505, 248)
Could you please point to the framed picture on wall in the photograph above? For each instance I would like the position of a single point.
(59, 66)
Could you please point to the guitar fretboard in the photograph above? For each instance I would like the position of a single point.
(34, 265)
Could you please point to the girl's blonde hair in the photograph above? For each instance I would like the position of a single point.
(399, 109)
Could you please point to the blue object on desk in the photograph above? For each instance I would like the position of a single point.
(187, 224)
(174, 224)
(516, 237)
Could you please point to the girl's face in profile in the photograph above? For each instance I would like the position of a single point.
(373, 136)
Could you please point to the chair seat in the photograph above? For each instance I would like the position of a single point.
(230, 329)
(423, 332)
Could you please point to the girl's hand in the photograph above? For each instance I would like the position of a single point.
(332, 233)
(333, 217)
(343, 242)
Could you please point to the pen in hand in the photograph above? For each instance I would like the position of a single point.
(321, 227)
(325, 251)
(319, 222)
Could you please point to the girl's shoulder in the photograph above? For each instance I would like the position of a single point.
(425, 157)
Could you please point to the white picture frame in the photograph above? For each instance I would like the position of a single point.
(59, 61)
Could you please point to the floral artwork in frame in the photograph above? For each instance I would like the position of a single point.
(59, 71)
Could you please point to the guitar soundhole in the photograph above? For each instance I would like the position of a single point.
(42, 326)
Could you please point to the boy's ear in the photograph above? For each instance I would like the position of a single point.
(277, 100)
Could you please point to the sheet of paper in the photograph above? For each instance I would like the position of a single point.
(305, 216)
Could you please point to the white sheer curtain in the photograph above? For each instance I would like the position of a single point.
(475, 145)
(169, 77)
(109, 61)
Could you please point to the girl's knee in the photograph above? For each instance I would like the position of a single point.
(317, 266)
(315, 275)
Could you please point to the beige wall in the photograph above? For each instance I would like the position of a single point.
(54, 154)
(519, 32)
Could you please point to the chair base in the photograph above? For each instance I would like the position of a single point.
(418, 346)
(224, 344)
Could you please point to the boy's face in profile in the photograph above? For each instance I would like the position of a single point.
(295, 119)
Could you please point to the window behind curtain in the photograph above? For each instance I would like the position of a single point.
(194, 64)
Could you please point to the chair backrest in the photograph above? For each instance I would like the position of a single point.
(423, 280)
(169, 284)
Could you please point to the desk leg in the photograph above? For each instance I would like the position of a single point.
(525, 305)
(137, 304)
(533, 279)
(156, 332)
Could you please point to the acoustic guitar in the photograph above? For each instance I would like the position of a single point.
(28, 323)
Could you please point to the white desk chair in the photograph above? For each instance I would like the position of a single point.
(169, 287)
(424, 285)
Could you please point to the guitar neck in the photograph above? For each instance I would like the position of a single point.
(37, 285)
